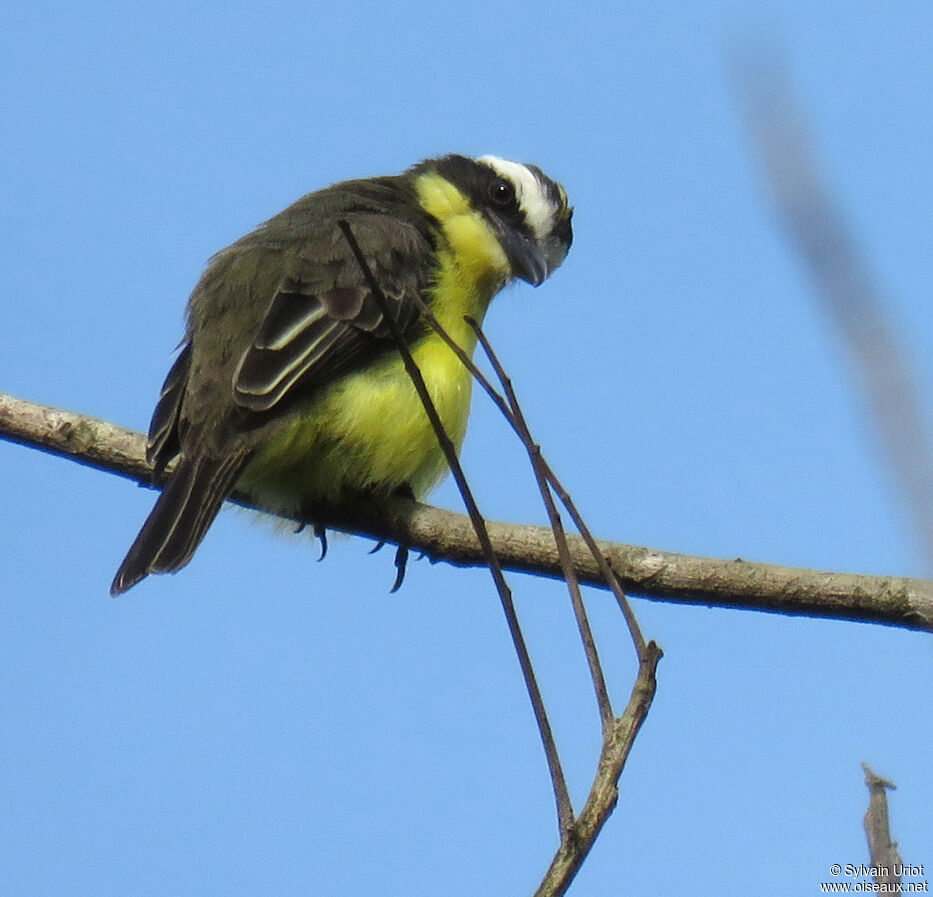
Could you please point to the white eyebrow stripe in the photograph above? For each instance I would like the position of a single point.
(532, 198)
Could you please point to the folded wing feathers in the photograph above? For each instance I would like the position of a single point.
(302, 331)
(162, 443)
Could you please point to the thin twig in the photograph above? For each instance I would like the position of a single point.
(540, 467)
(610, 578)
(561, 794)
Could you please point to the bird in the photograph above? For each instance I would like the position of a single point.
(288, 386)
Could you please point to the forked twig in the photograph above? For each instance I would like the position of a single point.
(561, 794)
(618, 733)
(604, 793)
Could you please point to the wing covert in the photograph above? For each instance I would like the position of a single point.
(323, 320)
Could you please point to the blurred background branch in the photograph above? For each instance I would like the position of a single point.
(844, 285)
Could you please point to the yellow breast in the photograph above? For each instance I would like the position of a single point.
(368, 431)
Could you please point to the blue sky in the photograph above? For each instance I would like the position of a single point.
(264, 724)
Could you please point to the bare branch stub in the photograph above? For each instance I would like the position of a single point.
(882, 849)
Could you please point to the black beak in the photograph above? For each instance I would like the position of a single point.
(527, 258)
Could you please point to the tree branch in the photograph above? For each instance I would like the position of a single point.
(444, 535)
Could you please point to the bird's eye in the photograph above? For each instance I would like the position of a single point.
(502, 193)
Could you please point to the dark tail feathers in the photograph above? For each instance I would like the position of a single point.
(195, 490)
